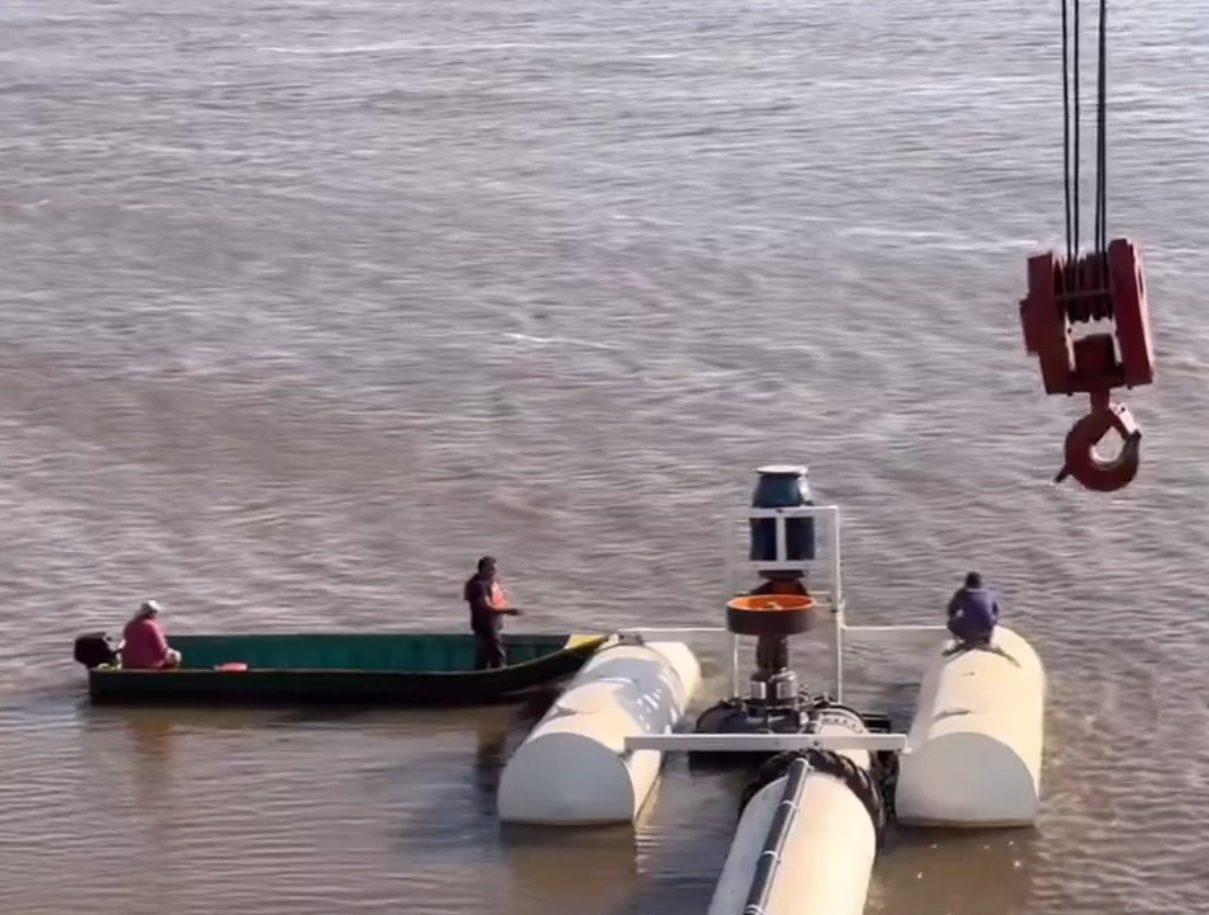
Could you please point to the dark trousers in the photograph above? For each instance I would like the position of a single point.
(488, 650)
(968, 637)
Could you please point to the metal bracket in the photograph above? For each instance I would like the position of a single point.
(766, 743)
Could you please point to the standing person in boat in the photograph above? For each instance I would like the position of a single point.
(145, 645)
(973, 614)
(488, 605)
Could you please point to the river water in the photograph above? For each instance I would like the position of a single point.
(308, 304)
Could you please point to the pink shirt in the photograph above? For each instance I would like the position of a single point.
(146, 647)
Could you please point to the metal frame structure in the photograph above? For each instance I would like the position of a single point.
(769, 743)
(831, 603)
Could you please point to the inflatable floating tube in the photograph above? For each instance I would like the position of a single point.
(807, 838)
(573, 769)
(974, 750)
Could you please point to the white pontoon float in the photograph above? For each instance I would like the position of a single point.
(831, 776)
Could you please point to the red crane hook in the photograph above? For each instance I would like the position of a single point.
(1063, 294)
(1083, 461)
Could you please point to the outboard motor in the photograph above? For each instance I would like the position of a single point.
(96, 648)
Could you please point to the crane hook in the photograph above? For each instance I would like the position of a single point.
(1085, 464)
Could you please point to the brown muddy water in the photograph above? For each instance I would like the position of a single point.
(307, 304)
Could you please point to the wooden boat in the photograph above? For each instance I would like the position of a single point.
(392, 668)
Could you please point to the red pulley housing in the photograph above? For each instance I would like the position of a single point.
(1096, 287)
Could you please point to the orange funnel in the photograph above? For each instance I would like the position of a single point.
(770, 603)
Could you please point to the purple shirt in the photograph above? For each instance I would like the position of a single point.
(973, 613)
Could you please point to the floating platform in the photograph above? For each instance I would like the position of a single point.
(833, 776)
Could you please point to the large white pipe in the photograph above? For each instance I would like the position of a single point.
(974, 750)
(804, 846)
(573, 768)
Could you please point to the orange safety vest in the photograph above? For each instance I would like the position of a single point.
(498, 599)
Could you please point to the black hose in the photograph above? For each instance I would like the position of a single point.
(769, 861)
(859, 781)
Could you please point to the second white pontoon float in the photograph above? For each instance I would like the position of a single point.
(831, 776)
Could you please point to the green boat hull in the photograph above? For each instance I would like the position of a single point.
(372, 668)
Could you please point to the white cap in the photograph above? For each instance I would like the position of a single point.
(782, 470)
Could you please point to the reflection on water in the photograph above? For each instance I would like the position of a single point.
(593, 870)
(947, 872)
(151, 746)
(490, 755)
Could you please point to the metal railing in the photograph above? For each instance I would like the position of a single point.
(766, 743)
(831, 596)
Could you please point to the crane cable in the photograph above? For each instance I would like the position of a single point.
(1106, 283)
(1071, 129)
(1102, 136)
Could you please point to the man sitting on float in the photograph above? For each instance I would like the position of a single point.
(973, 614)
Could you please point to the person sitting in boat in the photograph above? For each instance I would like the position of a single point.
(146, 647)
(488, 605)
(973, 614)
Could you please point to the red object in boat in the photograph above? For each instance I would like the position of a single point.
(1061, 295)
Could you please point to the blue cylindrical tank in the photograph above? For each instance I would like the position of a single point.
(782, 487)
